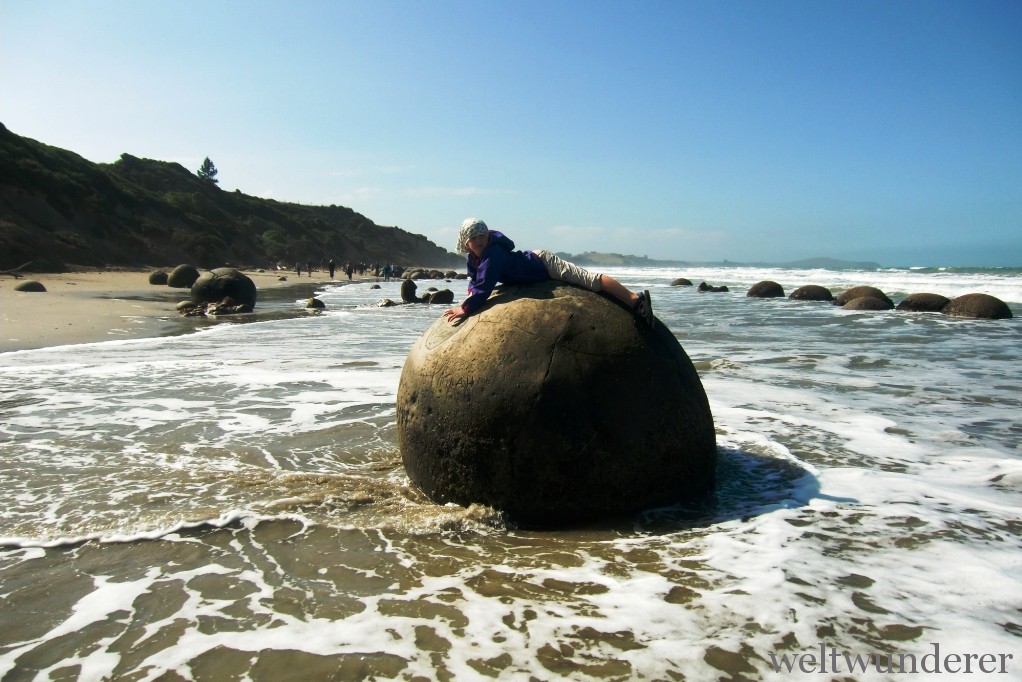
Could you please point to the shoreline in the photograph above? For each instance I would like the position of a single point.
(108, 305)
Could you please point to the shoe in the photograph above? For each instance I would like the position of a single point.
(643, 309)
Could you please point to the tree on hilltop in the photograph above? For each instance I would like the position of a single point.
(207, 171)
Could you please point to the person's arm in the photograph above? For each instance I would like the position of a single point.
(483, 277)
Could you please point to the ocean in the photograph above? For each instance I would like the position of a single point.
(230, 504)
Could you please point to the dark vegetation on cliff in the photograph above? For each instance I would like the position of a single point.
(60, 211)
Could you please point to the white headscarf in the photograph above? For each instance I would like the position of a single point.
(470, 228)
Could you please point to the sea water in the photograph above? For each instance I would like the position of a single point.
(231, 504)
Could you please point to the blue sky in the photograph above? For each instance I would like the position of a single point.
(757, 130)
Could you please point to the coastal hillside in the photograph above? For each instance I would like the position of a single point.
(60, 211)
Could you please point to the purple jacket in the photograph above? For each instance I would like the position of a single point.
(500, 263)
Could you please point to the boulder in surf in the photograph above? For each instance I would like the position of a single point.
(979, 306)
(765, 289)
(555, 405)
(863, 292)
(811, 292)
(867, 303)
(923, 303)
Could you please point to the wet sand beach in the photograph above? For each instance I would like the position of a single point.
(88, 307)
(232, 504)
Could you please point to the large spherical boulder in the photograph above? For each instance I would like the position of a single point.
(221, 283)
(980, 306)
(182, 277)
(158, 277)
(811, 292)
(766, 289)
(923, 303)
(555, 405)
(30, 285)
(860, 292)
(681, 282)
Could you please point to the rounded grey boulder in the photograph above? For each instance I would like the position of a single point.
(182, 277)
(408, 288)
(30, 285)
(867, 303)
(811, 292)
(923, 303)
(441, 297)
(221, 283)
(766, 289)
(554, 405)
(980, 306)
(860, 292)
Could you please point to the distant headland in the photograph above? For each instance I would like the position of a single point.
(591, 258)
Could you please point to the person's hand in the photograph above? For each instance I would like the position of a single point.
(454, 314)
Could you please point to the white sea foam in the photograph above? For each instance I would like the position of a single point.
(241, 490)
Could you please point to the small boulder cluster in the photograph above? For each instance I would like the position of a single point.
(702, 288)
(432, 273)
(432, 295)
(978, 306)
(221, 291)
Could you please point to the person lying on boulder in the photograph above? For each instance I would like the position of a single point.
(492, 259)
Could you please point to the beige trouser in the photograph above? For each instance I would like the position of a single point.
(565, 271)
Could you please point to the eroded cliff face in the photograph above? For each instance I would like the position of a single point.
(59, 210)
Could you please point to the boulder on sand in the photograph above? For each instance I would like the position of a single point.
(182, 277)
(554, 405)
(222, 283)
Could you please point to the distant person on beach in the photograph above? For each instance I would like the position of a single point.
(298, 269)
(332, 266)
(492, 259)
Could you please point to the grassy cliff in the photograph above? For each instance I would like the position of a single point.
(60, 211)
